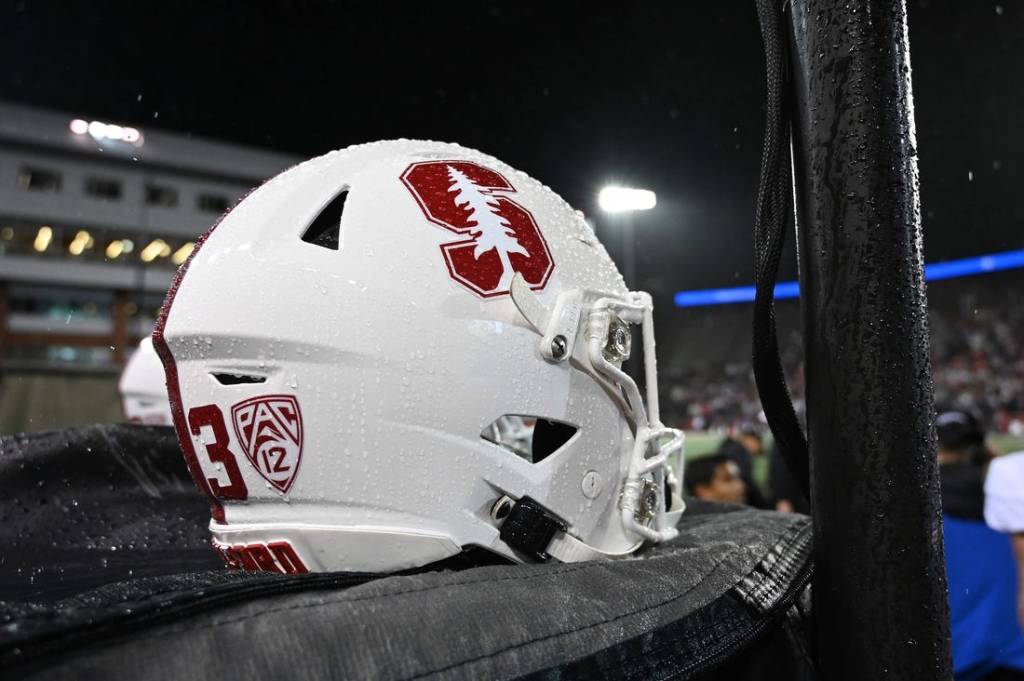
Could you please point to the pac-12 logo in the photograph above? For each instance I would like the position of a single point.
(269, 429)
(500, 236)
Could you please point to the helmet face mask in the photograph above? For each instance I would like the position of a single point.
(647, 510)
(364, 407)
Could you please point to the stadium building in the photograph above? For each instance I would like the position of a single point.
(94, 219)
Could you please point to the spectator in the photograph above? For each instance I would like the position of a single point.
(962, 460)
(715, 478)
(980, 567)
(742, 448)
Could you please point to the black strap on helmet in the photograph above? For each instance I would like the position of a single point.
(529, 529)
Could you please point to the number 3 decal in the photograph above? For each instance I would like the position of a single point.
(218, 451)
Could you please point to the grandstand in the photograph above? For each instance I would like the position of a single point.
(94, 219)
(977, 324)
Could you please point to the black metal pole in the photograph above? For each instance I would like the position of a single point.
(880, 585)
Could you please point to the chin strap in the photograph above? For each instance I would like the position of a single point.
(569, 549)
(531, 529)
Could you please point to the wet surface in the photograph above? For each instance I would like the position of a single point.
(91, 506)
(880, 584)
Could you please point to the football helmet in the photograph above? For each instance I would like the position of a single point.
(400, 350)
(142, 388)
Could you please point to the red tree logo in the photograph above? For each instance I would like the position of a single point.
(503, 237)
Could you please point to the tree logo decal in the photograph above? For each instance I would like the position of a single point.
(501, 236)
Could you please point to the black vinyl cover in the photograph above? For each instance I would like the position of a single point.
(107, 573)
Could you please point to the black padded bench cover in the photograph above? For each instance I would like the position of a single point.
(108, 573)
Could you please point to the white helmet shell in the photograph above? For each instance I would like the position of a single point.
(339, 385)
(142, 387)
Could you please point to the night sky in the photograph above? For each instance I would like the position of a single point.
(668, 97)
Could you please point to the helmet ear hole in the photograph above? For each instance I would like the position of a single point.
(549, 436)
(533, 438)
(325, 230)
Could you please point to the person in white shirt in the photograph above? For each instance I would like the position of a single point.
(1004, 510)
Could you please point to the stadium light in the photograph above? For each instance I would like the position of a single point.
(613, 199)
(623, 202)
(107, 131)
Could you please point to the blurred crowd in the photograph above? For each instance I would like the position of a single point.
(977, 339)
(978, 356)
(721, 397)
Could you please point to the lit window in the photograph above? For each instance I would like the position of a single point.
(212, 203)
(39, 180)
(82, 241)
(118, 247)
(161, 195)
(43, 238)
(103, 188)
(157, 248)
(181, 255)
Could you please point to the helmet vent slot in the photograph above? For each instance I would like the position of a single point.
(533, 438)
(325, 230)
(237, 379)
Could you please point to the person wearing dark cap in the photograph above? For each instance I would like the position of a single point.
(980, 566)
(962, 460)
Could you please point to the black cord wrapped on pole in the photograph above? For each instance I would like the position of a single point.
(880, 585)
(771, 219)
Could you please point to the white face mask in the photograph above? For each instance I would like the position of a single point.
(657, 456)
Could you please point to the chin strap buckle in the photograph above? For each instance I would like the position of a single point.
(529, 528)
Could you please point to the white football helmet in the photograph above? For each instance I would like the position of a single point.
(142, 388)
(354, 351)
